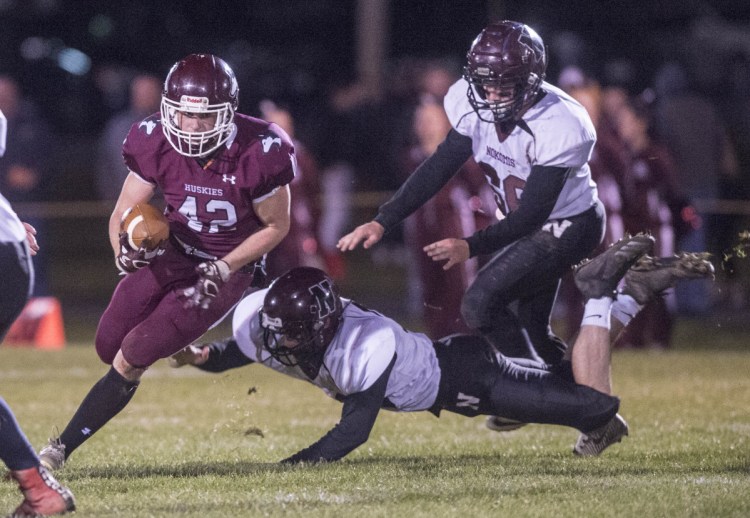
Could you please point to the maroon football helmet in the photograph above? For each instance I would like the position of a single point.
(510, 57)
(302, 305)
(205, 84)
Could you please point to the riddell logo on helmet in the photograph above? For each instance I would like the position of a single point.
(197, 101)
(274, 324)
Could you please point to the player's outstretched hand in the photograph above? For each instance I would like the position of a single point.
(190, 355)
(454, 251)
(371, 232)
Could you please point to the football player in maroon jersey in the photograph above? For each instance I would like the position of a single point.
(225, 179)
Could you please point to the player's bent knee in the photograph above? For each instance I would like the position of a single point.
(107, 342)
(599, 408)
(137, 357)
(106, 351)
(471, 310)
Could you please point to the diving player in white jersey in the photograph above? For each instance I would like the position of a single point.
(533, 143)
(43, 495)
(301, 327)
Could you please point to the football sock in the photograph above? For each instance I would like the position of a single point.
(625, 308)
(597, 312)
(15, 450)
(104, 401)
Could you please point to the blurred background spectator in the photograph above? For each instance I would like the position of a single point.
(651, 203)
(336, 146)
(735, 109)
(144, 99)
(300, 247)
(26, 172)
(690, 125)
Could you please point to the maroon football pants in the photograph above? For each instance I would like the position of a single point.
(146, 318)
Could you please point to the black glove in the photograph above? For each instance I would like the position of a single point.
(211, 277)
(130, 260)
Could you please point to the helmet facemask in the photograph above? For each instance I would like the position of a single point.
(198, 143)
(307, 336)
(515, 96)
(300, 316)
(199, 85)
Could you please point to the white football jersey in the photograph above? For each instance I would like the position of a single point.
(359, 353)
(3, 132)
(11, 229)
(562, 136)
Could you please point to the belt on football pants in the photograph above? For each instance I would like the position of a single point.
(192, 251)
(254, 267)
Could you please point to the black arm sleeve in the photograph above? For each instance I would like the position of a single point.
(537, 201)
(426, 180)
(224, 355)
(357, 419)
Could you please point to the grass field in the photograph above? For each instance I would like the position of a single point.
(196, 444)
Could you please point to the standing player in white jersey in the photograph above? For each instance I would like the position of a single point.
(301, 327)
(43, 495)
(533, 142)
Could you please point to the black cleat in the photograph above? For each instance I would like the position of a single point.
(599, 277)
(652, 275)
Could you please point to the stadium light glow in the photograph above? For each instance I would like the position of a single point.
(73, 61)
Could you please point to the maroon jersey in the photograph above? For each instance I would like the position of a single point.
(210, 205)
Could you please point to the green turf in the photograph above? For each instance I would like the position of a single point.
(196, 444)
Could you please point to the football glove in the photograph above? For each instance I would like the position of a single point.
(130, 260)
(211, 277)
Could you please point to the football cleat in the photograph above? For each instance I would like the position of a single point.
(599, 277)
(593, 443)
(502, 424)
(43, 495)
(652, 275)
(52, 456)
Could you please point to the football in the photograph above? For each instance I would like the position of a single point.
(145, 226)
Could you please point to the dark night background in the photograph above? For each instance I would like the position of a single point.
(295, 49)
(295, 52)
